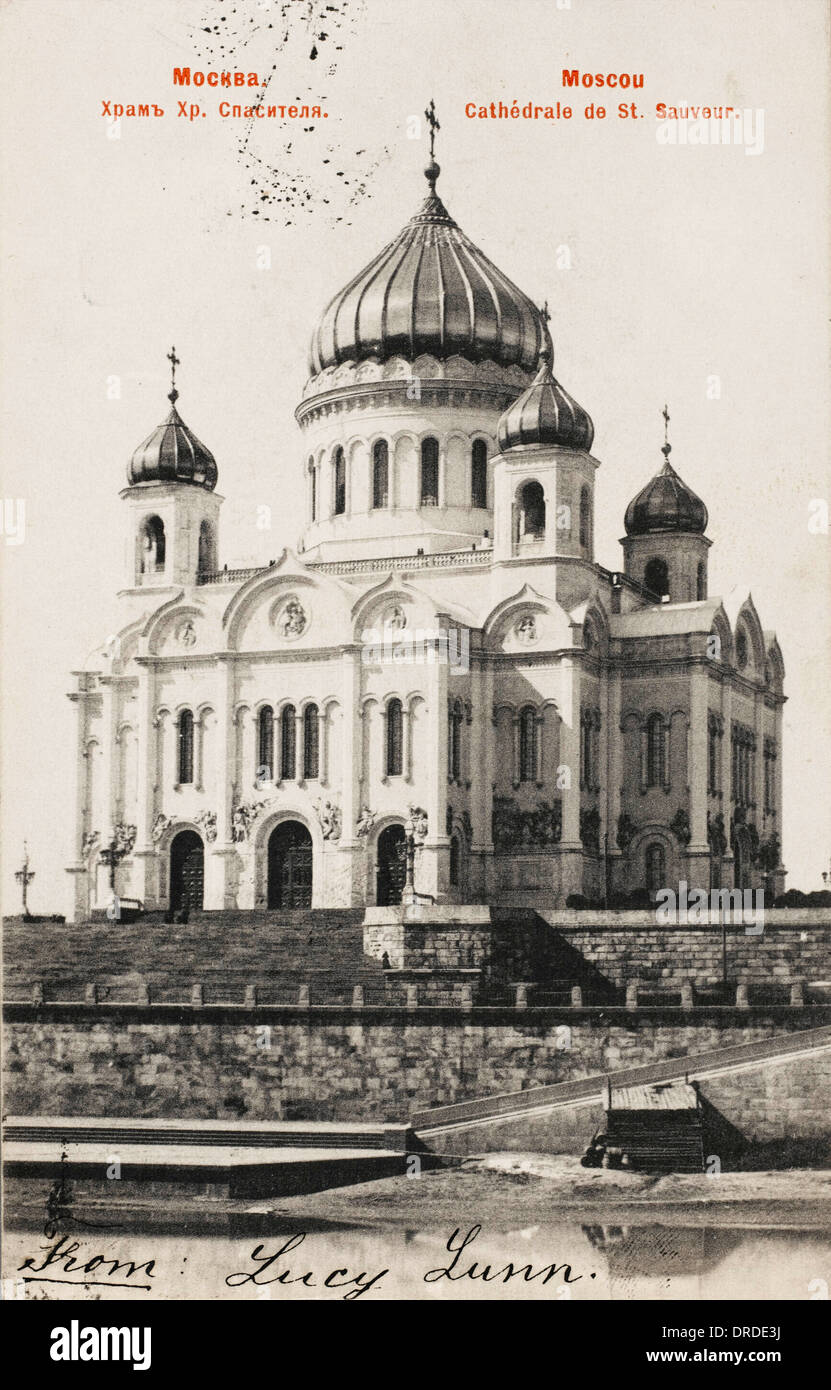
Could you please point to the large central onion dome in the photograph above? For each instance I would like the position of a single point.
(665, 504)
(430, 291)
(546, 414)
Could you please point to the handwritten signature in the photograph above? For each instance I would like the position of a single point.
(265, 1271)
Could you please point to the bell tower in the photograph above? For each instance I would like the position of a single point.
(665, 548)
(173, 508)
(544, 473)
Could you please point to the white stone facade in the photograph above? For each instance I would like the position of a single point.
(561, 732)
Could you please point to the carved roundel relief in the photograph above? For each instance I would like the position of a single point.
(395, 619)
(525, 629)
(289, 618)
(186, 633)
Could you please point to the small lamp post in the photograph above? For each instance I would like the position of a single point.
(409, 859)
(24, 876)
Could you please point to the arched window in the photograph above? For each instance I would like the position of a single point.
(528, 745)
(656, 577)
(479, 474)
(340, 482)
(395, 739)
(265, 744)
(656, 867)
(585, 518)
(455, 720)
(589, 739)
(429, 472)
(312, 490)
(311, 744)
(380, 474)
(455, 861)
(531, 511)
(185, 747)
(288, 763)
(656, 751)
(701, 582)
(206, 548)
(712, 755)
(151, 559)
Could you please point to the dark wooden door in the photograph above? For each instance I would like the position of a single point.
(187, 872)
(290, 866)
(392, 866)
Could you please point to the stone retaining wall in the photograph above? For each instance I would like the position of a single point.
(336, 1063)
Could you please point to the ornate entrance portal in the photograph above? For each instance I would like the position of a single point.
(290, 866)
(187, 872)
(392, 866)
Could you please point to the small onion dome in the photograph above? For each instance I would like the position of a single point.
(429, 291)
(665, 504)
(172, 453)
(545, 414)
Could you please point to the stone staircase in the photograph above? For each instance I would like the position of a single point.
(224, 951)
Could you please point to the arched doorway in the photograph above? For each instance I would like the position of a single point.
(290, 866)
(392, 866)
(187, 872)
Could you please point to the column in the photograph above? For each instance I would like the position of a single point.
(407, 738)
(482, 736)
(517, 751)
(612, 764)
(145, 854)
(352, 752)
(430, 875)
(777, 797)
(299, 727)
(758, 756)
(697, 771)
(225, 750)
(323, 746)
(109, 761)
(77, 868)
(570, 753)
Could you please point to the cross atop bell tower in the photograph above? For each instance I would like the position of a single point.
(173, 394)
(433, 122)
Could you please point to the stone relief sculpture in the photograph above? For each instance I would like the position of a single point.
(160, 825)
(513, 829)
(124, 837)
(89, 843)
(207, 820)
(292, 621)
(365, 822)
(243, 817)
(330, 820)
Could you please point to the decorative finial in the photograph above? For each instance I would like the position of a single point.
(173, 394)
(544, 314)
(666, 449)
(433, 169)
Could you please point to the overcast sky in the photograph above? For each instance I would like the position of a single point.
(685, 263)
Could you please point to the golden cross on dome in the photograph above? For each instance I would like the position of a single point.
(174, 361)
(667, 447)
(433, 122)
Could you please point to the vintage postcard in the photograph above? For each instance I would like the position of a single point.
(417, 684)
